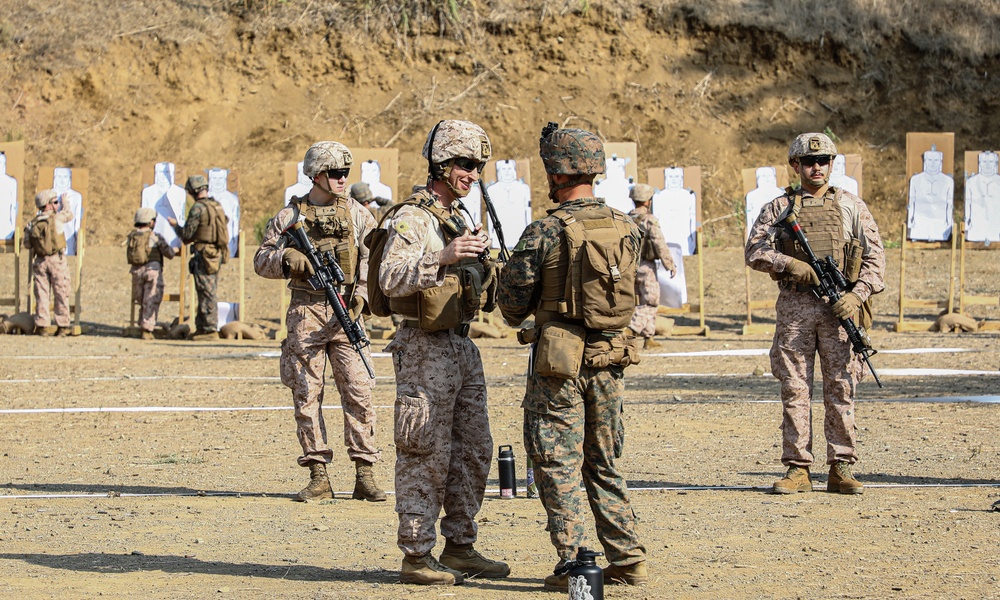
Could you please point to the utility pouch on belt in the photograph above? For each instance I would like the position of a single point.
(621, 350)
(212, 257)
(852, 261)
(560, 350)
(528, 335)
(440, 307)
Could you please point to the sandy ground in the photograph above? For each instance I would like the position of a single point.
(168, 467)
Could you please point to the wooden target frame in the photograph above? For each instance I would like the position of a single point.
(967, 300)
(14, 153)
(750, 184)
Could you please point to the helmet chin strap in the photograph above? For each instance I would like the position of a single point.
(555, 187)
(446, 178)
(327, 189)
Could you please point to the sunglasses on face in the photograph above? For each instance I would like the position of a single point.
(811, 161)
(467, 164)
(337, 173)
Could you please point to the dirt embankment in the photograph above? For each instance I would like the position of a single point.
(201, 86)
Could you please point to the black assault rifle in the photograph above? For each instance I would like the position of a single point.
(504, 252)
(832, 284)
(328, 276)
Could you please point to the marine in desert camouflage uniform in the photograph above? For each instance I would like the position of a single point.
(209, 251)
(49, 270)
(334, 222)
(147, 278)
(442, 428)
(837, 223)
(654, 248)
(573, 426)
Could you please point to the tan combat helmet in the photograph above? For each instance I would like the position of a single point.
(323, 156)
(44, 197)
(144, 216)
(361, 192)
(571, 152)
(811, 144)
(451, 139)
(195, 184)
(641, 193)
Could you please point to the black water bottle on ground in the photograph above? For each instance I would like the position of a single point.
(586, 579)
(508, 482)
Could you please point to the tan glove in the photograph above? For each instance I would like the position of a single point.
(800, 272)
(357, 307)
(847, 307)
(297, 263)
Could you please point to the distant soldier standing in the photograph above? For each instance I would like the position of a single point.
(838, 224)
(145, 251)
(654, 248)
(433, 277)
(45, 235)
(207, 230)
(336, 223)
(574, 270)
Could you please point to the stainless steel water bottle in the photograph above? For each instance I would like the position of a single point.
(586, 579)
(508, 482)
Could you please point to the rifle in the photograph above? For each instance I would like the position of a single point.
(328, 276)
(831, 284)
(492, 212)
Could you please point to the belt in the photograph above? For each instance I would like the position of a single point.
(786, 284)
(308, 296)
(459, 330)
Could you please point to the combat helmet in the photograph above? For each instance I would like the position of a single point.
(571, 151)
(361, 192)
(144, 216)
(641, 193)
(811, 144)
(451, 139)
(43, 198)
(195, 184)
(323, 156)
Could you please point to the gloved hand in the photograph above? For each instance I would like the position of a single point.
(847, 307)
(800, 272)
(357, 307)
(297, 263)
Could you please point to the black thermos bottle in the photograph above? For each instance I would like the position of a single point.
(508, 482)
(586, 579)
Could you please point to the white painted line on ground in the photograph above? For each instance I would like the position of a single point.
(933, 372)
(128, 409)
(766, 351)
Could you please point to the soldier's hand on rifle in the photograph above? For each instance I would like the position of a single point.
(466, 246)
(800, 272)
(297, 263)
(847, 307)
(357, 307)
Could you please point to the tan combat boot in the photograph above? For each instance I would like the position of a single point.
(63, 331)
(319, 484)
(796, 479)
(146, 335)
(842, 480)
(651, 344)
(635, 574)
(205, 336)
(465, 559)
(426, 570)
(365, 487)
(558, 581)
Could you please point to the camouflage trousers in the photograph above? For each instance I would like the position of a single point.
(51, 276)
(647, 299)
(442, 434)
(804, 327)
(207, 288)
(147, 290)
(315, 336)
(573, 427)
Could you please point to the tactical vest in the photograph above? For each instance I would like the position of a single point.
(823, 226)
(139, 251)
(213, 229)
(330, 228)
(462, 295)
(589, 277)
(647, 251)
(45, 235)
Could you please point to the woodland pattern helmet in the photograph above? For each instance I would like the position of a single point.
(572, 152)
(195, 184)
(457, 139)
(641, 192)
(323, 156)
(144, 216)
(43, 197)
(811, 144)
(361, 192)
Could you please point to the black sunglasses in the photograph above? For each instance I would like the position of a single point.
(811, 161)
(467, 164)
(337, 173)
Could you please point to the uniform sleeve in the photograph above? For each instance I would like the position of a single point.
(267, 259)
(186, 233)
(364, 223)
(759, 254)
(659, 243)
(406, 268)
(871, 280)
(164, 247)
(520, 278)
(65, 215)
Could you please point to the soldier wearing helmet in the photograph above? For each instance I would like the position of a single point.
(838, 224)
(432, 273)
(362, 194)
(575, 271)
(654, 248)
(145, 251)
(335, 223)
(207, 230)
(45, 235)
